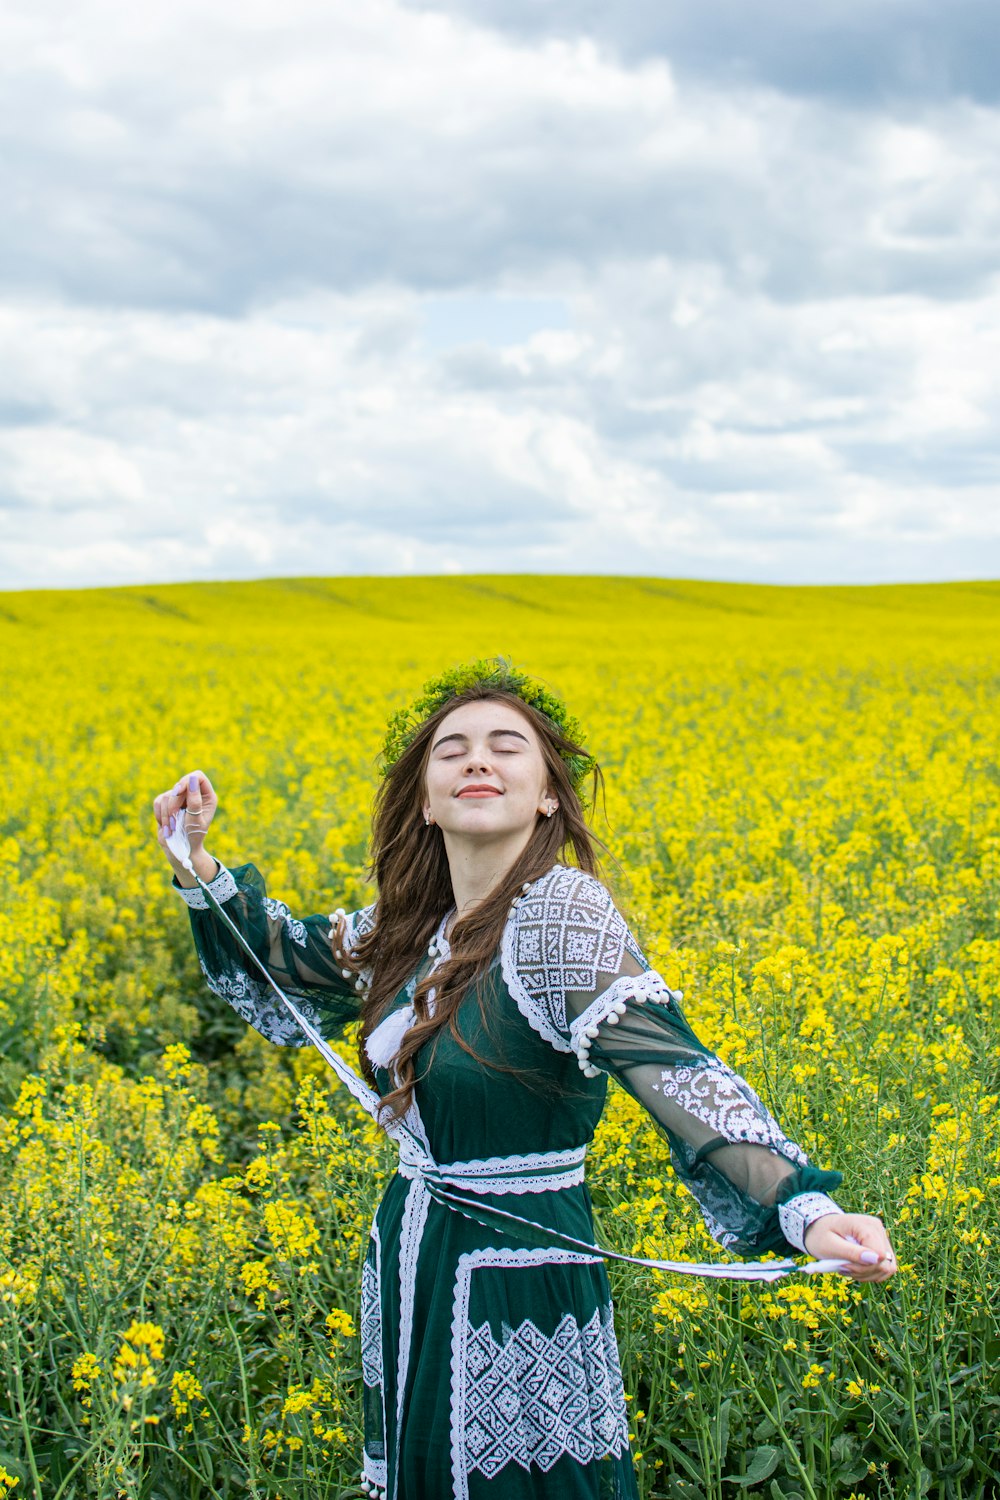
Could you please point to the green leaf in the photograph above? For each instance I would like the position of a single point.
(851, 1464)
(722, 1431)
(777, 1493)
(763, 1462)
(684, 1460)
(684, 1489)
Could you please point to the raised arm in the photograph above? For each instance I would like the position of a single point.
(297, 952)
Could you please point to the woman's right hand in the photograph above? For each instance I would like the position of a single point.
(195, 793)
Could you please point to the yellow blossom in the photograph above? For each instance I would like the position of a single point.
(340, 1324)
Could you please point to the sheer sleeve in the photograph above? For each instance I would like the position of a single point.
(296, 952)
(580, 979)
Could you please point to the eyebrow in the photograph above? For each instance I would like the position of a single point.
(492, 735)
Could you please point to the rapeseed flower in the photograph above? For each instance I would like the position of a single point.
(802, 793)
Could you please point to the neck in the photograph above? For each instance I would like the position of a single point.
(478, 867)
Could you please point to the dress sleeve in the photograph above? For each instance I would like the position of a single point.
(580, 979)
(296, 952)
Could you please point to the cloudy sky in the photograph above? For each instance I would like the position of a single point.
(374, 286)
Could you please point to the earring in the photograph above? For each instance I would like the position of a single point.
(550, 810)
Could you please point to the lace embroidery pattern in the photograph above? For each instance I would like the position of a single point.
(563, 934)
(373, 1470)
(371, 1319)
(410, 1234)
(223, 888)
(256, 1003)
(531, 1398)
(279, 912)
(799, 1212)
(725, 1102)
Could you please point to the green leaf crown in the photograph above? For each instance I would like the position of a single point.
(492, 672)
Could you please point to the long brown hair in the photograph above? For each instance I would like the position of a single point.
(409, 864)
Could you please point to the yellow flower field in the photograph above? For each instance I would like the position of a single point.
(803, 825)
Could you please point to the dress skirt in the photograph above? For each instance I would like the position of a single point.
(491, 1370)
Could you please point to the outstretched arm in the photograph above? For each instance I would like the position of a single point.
(582, 981)
(756, 1188)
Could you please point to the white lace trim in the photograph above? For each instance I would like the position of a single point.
(223, 888)
(725, 1102)
(411, 1233)
(279, 912)
(374, 1469)
(532, 1397)
(562, 934)
(799, 1212)
(413, 1120)
(535, 1172)
(607, 1008)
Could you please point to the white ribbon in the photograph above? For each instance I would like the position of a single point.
(444, 1192)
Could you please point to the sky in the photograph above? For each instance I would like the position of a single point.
(318, 287)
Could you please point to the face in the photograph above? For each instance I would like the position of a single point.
(486, 777)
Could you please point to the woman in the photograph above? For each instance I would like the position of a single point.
(497, 988)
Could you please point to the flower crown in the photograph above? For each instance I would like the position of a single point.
(493, 672)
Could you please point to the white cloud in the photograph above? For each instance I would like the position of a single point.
(341, 288)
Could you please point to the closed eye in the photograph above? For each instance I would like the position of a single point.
(499, 750)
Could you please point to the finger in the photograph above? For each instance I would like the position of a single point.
(194, 792)
(858, 1272)
(864, 1262)
(871, 1235)
(848, 1242)
(859, 1257)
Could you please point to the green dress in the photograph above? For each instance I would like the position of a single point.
(490, 1365)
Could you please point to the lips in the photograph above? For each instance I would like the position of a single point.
(480, 791)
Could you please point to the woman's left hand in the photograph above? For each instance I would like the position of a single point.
(858, 1240)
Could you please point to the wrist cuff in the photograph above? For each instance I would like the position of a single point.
(223, 888)
(799, 1212)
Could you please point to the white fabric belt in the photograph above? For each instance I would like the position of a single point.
(539, 1172)
(453, 1182)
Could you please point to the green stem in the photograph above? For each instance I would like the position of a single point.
(775, 1417)
(22, 1410)
(247, 1415)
